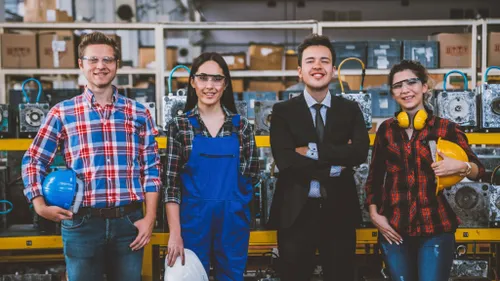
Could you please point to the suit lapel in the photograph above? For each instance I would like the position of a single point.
(303, 110)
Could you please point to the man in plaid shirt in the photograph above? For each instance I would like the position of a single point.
(109, 142)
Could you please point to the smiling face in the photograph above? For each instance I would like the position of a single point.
(408, 91)
(317, 69)
(99, 66)
(209, 83)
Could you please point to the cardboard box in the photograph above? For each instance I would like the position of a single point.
(42, 15)
(238, 85)
(266, 86)
(291, 61)
(235, 61)
(62, 41)
(494, 49)
(147, 57)
(36, 10)
(454, 49)
(19, 51)
(266, 56)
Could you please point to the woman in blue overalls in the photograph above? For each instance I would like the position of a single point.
(211, 166)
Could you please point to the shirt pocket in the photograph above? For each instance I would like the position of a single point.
(393, 160)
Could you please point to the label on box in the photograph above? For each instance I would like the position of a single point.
(229, 59)
(252, 103)
(382, 62)
(57, 47)
(350, 47)
(266, 51)
(384, 103)
(380, 52)
(51, 15)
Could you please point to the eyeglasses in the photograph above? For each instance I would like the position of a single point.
(408, 82)
(95, 60)
(217, 80)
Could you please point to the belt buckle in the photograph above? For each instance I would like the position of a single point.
(102, 212)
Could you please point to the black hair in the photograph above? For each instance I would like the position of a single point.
(316, 40)
(227, 99)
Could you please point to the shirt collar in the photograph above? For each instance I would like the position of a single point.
(327, 101)
(89, 96)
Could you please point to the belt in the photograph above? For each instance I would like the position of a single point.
(111, 213)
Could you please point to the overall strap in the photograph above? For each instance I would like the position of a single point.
(236, 124)
(194, 122)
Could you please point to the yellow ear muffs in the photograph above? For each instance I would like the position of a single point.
(419, 120)
(403, 119)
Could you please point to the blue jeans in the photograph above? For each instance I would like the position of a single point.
(94, 246)
(420, 258)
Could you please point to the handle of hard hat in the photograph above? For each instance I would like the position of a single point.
(362, 73)
(39, 89)
(466, 81)
(6, 202)
(172, 74)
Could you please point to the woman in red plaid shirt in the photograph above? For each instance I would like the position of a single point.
(416, 226)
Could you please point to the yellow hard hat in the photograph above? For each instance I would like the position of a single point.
(454, 151)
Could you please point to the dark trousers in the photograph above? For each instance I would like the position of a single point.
(314, 230)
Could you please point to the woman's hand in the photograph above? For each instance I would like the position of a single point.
(448, 166)
(385, 228)
(175, 249)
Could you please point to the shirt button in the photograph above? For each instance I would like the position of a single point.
(109, 160)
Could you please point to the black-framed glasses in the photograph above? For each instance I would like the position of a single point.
(410, 82)
(217, 79)
(94, 60)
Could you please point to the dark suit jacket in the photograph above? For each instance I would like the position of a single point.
(292, 126)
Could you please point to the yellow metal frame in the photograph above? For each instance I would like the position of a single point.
(260, 243)
(262, 141)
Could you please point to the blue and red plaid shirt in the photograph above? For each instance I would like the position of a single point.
(401, 182)
(112, 148)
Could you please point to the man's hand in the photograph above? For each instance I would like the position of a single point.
(145, 227)
(302, 150)
(52, 213)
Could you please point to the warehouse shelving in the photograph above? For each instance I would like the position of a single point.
(257, 238)
(472, 71)
(484, 45)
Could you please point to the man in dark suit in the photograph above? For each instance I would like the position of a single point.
(316, 139)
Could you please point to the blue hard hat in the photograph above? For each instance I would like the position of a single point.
(59, 188)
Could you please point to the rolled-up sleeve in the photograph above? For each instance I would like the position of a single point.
(173, 165)
(150, 158)
(41, 153)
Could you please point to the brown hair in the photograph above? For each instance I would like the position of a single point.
(316, 40)
(96, 38)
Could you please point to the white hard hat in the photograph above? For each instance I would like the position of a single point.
(192, 270)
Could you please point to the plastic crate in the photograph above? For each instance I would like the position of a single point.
(345, 50)
(383, 105)
(383, 54)
(251, 97)
(425, 52)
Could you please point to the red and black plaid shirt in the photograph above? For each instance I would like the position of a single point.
(401, 182)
